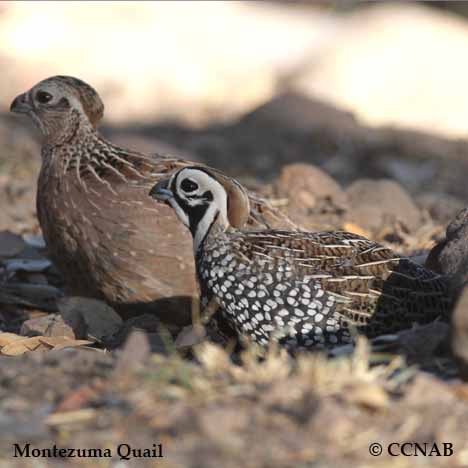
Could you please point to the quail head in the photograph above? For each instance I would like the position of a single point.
(303, 289)
(109, 239)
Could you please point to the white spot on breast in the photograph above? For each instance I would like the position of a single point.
(273, 304)
(291, 301)
(244, 302)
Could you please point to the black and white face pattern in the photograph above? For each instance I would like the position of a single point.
(198, 199)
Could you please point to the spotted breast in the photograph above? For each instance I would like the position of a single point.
(302, 289)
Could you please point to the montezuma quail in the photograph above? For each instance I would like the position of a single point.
(108, 238)
(301, 288)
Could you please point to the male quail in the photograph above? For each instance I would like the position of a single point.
(303, 289)
(108, 238)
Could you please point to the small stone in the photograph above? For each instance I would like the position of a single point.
(441, 206)
(135, 351)
(376, 204)
(459, 333)
(100, 320)
(10, 244)
(300, 113)
(450, 257)
(313, 196)
(190, 336)
(49, 325)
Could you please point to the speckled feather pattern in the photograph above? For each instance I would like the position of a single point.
(100, 226)
(306, 289)
(108, 238)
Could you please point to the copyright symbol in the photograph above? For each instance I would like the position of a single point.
(375, 449)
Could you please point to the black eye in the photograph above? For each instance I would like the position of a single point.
(188, 186)
(43, 97)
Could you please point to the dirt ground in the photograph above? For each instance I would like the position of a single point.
(206, 410)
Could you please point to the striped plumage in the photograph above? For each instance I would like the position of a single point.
(304, 289)
(108, 238)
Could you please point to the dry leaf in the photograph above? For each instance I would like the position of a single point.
(355, 229)
(61, 342)
(8, 338)
(15, 345)
(19, 347)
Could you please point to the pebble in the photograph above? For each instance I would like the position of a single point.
(376, 204)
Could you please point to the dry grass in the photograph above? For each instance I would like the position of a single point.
(210, 412)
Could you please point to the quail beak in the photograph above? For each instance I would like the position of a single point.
(161, 192)
(20, 105)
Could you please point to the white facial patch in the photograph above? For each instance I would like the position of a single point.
(202, 183)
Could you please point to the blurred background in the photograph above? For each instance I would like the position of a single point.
(359, 89)
(204, 62)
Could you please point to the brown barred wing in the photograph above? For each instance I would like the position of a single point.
(369, 285)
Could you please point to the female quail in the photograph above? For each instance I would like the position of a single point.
(303, 289)
(108, 238)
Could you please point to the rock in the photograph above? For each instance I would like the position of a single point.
(315, 200)
(145, 322)
(441, 206)
(190, 336)
(376, 204)
(158, 336)
(90, 318)
(418, 344)
(49, 325)
(36, 296)
(459, 333)
(450, 257)
(135, 350)
(301, 113)
(10, 244)
(27, 264)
